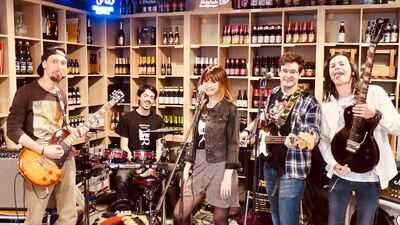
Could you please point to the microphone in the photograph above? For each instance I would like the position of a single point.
(201, 91)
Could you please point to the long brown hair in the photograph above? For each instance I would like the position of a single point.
(329, 86)
(217, 74)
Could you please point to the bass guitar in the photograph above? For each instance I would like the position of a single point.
(355, 145)
(45, 172)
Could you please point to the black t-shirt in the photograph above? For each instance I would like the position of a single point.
(136, 128)
(201, 129)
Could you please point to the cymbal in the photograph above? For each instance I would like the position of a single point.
(167, 130)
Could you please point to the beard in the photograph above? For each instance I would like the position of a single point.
(56, 77)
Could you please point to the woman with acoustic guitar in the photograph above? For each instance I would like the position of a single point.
(348, 175)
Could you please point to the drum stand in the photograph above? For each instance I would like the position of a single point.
(87, 173)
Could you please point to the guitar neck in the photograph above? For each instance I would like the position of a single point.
(275, 139)
(366, 75)
(92, 120)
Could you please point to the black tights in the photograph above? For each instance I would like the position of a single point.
(189, 202)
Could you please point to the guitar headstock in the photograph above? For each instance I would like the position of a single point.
(116, 97)
(377, 30)
(305, 140)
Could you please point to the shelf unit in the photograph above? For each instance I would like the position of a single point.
(200, 36)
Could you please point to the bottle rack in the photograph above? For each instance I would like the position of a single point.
(200, 33)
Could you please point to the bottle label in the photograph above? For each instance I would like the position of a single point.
(29, 68)
(341, 37)
(387, 37)
(254, 39)
(394, 37)
(272, 39)
(260, 39)
(278, 39)
(295, 38)
(266, 39)
(288, 38)
(311, 37)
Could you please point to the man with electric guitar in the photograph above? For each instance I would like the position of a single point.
(356, 120)
(294, 114)
(37, 121)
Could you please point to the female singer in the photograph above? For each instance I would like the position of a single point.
(214, 153)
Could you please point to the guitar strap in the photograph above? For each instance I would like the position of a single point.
(278, 116)
(61, 100)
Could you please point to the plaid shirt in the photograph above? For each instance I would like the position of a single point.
(305, 116)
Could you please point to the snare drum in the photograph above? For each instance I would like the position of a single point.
(145, 157)
(115, 155)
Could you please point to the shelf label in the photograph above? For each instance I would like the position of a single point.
(103, 7)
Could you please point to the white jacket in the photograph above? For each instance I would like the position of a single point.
(390, 123)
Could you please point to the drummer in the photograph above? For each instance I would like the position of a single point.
(136, 139)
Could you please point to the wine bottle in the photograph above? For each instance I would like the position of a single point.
(121, 35)
(341, 34)
(29, 65)
(89, 33)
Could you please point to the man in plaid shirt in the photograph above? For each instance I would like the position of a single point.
(289, 110)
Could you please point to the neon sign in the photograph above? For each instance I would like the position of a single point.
(104, 7)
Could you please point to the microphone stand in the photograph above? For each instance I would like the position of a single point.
(254, 133)
(196, 118)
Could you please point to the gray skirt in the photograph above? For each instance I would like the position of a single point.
(207, 179)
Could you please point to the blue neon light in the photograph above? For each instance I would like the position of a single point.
(104, 7)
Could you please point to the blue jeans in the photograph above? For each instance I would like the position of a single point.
(340, 191)
(285, 204)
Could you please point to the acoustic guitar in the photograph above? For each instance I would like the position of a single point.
(354, 144)
(45, 172)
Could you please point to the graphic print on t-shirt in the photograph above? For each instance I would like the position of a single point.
(47, 119)
(144, 135)
(201, 129)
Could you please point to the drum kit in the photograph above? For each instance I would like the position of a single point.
(147, 180)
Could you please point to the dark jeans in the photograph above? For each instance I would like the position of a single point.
(366, 193)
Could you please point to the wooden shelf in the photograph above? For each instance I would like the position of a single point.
(26, 75)
(70, 76)
(75, 43)
(74, 107)
(384, 80)
(171, 46)
(170, 76)
(233, 46)
(333, 44)
(28, 38)
(265, 45)
(53, 41)
(203, 45)
(288, 45)
(118, 47)
(3, 115)
(381, 44)
(3, 36)
(95, 75)
(95, 46)
(144, 46)
(238, 77)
